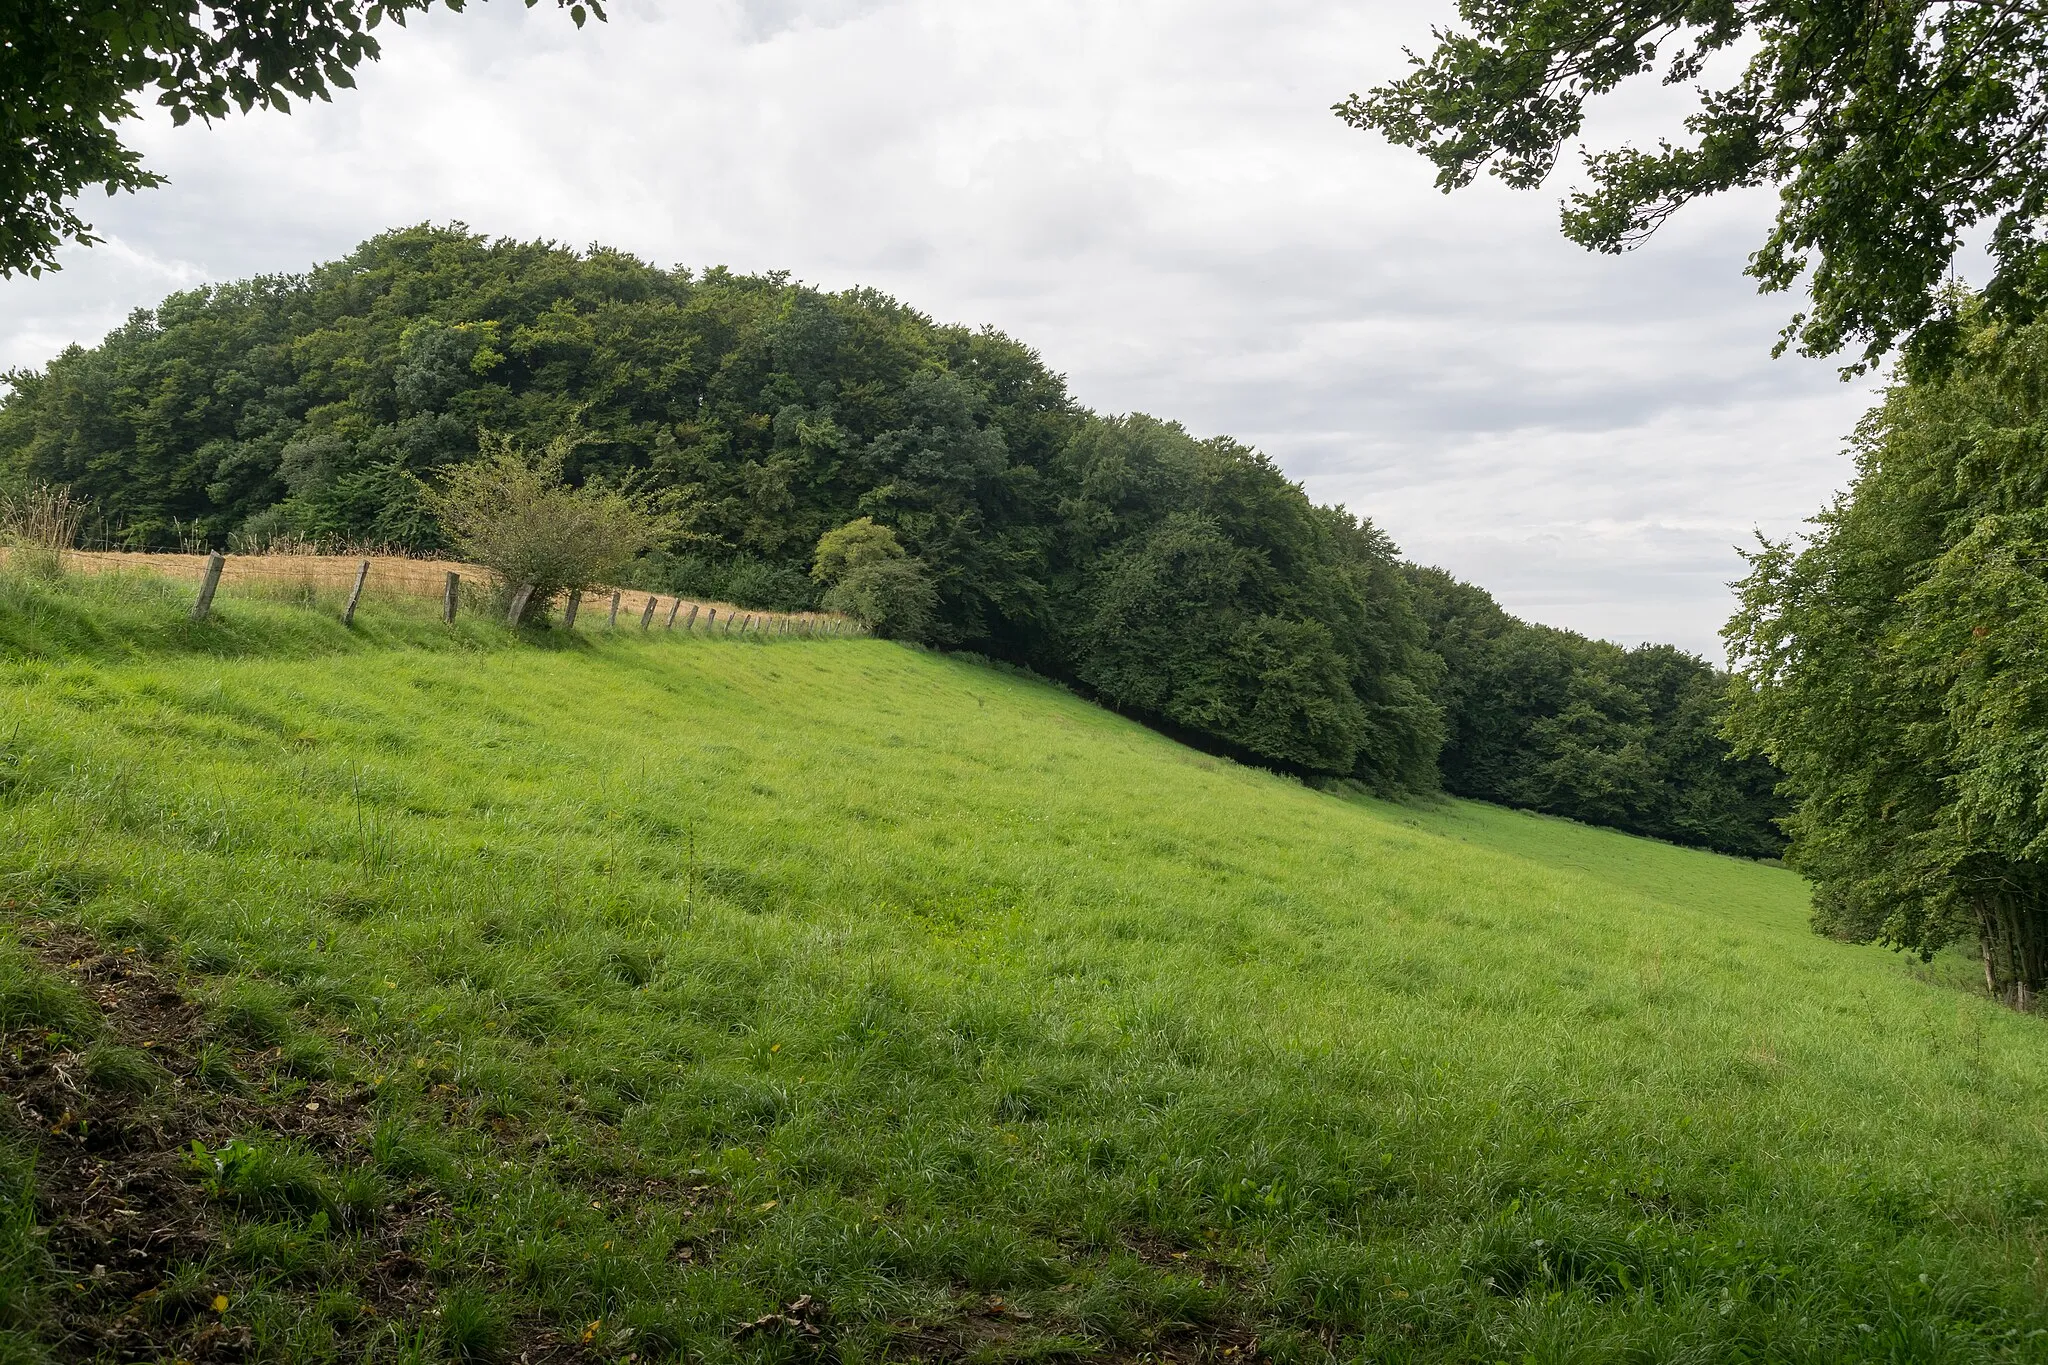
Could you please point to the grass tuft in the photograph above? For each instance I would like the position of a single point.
(473, 1325)
(31, 998)
(264, 1176)
(122, 1070)
(255, 1013)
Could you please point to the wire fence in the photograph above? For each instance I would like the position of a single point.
(319, 580)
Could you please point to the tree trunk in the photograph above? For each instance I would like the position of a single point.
(2012, 929)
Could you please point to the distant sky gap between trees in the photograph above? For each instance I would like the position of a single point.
(1184, 581)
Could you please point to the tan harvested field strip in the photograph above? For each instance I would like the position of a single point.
(398, 574)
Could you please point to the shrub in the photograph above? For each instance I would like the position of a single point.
(849, 547)
(892, 597)
(510, 511)
(875, 582)
(743, 580)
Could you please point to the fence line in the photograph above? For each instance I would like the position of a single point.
(446, 580)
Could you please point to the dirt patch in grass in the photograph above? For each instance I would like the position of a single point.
(136, 1130)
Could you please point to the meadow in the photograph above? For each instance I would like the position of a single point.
(784, 1000)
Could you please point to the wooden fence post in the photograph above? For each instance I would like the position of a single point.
(692, 619)
(569, 612)
(519, 601)
(612, 621)
(647, 616)
(208, 581)
(355, 595)
(449, 596)
(672, 614)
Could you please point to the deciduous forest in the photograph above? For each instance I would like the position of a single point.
(1182, 580)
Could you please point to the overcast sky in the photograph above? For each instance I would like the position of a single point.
(1154, 195)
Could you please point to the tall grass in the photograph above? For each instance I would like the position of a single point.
(702, 978)
(39, 526)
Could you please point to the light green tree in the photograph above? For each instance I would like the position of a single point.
(871, 578)
(510, 511)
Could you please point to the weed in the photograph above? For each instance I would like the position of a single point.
(40, 527)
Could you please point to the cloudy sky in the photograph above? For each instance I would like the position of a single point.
(1154, 194)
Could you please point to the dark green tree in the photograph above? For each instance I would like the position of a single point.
(1893, 667)
(1890, 130)
(71, 70)
(1547, 720)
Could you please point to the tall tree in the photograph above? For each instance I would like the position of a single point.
(1890, 129)
(1894, 668)
(71, 70)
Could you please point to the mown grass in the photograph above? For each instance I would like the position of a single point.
(698, 976)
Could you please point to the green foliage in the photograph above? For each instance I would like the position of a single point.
(692, 977)
(510, 512)
(1893, 668)
(894, 598)
(937, 482)
(773, 414)
(70, 71)
(853, 546)
(1890, 131)
(1550, 721)
(743, 580)
(871, 579)
(1211, 595)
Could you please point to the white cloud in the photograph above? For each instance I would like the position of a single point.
(1154, 195)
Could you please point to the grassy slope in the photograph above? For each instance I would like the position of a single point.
(946, 987)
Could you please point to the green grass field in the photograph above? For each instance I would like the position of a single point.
(675, 980)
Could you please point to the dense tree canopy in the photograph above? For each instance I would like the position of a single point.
(70, 71)
(936, 477)
(1890, 130)
(1895, 667)
(1551, 721)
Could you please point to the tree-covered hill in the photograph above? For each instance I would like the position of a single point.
(1548, 720)
(1182, 580)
